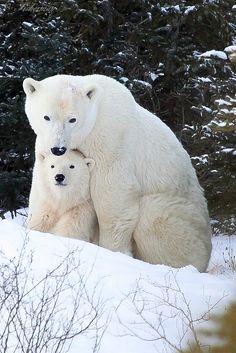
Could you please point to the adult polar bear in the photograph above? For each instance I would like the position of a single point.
(143, 185)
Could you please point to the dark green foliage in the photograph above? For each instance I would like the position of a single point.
(152, 47)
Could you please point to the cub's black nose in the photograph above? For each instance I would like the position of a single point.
(58, 151)
(59, 178)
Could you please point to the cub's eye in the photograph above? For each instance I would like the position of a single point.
(46, 117)
(52, 166)
(72, 120)
(72, 166)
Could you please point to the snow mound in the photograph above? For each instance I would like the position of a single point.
(121, 304)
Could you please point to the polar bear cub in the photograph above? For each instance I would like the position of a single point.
(60, 200)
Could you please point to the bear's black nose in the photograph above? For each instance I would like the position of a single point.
(58, 151)
(59, 178)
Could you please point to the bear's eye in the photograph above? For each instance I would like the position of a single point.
(72, 166)
(46, 117)
(52, 166)
(72, 120)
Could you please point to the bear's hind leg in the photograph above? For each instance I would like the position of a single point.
(172, 231)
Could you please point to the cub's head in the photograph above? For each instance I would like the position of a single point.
(62, 110)
(66, 176)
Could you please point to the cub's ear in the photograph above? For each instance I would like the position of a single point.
(40, 157)
(30, 85)
(92, 91)
(90, 163)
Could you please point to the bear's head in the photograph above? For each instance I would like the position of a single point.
(67, 177)
(62, 110)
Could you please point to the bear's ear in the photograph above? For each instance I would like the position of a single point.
(91, 91)
(30, 85)
(90, 163)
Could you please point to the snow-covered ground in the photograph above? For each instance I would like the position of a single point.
(107, 301)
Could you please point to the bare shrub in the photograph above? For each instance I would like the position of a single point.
(153, 313)
(222, 337)
(35, 316)
(229, 257)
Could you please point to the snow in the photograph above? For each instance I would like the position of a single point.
(222, 102)
(201, 159)
(124, 79)
(154, 76)
(226, 111)
(2, 9)
(214, 53)
(228, 150)
(149, 16)
(231, 48)
(137, 301)
(207, 109)
(167, 9)
(190, 9)
(28, 24)
(176, 7)
(222, 124)
(142, 83)
(204, 79)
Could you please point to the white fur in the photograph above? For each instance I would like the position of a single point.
(66, 209)
(136, 155)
